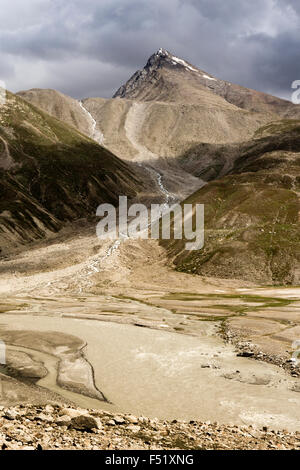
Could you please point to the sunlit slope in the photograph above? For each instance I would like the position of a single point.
(58, 105)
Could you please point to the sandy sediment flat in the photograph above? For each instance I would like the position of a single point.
(166, 375)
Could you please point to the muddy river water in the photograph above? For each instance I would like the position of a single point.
(167, 375)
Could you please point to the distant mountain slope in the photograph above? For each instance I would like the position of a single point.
(170, 129)
(50, 173)
(252, 228)
(166, 129)
(58, 105)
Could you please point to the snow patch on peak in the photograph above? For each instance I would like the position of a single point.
(209, 78)
(162, 51)
(183, 62)
(174, 60)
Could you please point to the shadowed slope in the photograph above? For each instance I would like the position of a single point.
(50, 173)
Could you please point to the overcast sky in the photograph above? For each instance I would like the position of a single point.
(90, 47)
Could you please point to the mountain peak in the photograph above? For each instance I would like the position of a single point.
(163, 54)
(160, 59)
(162, 51)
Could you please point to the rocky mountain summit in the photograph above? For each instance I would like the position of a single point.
(160, 59)
(164, 69)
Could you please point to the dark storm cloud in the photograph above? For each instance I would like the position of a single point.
(276, 62)
(89, 48)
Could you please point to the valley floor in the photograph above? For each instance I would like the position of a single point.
(71, 316)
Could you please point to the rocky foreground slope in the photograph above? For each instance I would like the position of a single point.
(58, 427)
